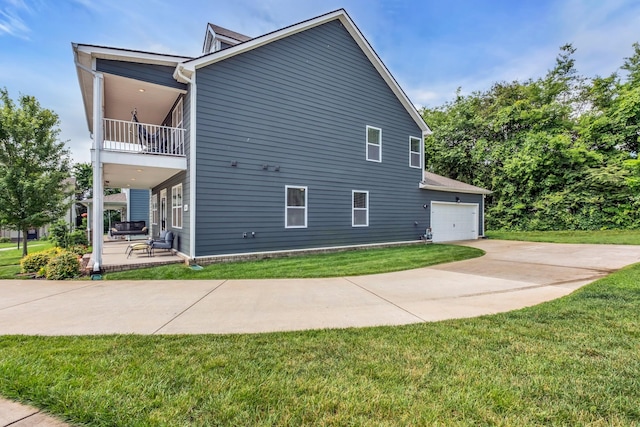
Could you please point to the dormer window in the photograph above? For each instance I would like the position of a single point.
(218, 38)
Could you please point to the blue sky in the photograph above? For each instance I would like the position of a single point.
(431, 47)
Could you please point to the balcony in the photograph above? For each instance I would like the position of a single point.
(140, 155)
(142, 138)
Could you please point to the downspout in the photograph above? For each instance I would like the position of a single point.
(192, 157)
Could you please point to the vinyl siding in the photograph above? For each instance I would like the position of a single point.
(301, 104)
(151, 73)
(139, 205)
(183, 237)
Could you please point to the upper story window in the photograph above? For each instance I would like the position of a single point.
(374, 144)
(360, 208)
(176, 115)
(176, 206)
(415, 152)
(295, 207)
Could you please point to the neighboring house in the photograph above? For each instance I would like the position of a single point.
(296, 139)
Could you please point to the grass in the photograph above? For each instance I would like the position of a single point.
(348, 263)
(10, 258)
(572, 361)
(613, 237)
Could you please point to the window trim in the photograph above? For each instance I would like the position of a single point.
(179, 108)
(287, 207)
(176, 210)
(155, 217)
(419, 152)
(379, 144)
(354, 209)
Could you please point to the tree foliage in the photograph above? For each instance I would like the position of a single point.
(33, 165)
(559, 152)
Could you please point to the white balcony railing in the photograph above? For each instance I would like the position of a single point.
(134, 137)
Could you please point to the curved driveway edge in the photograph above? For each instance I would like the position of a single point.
(511, 275)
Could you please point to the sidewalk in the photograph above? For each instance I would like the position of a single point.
(17, 415)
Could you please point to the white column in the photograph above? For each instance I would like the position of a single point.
(192, 167)
(98, 190)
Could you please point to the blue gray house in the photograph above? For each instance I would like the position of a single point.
(297, 139)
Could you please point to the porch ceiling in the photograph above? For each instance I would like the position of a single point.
(122, 95)
(135, 176)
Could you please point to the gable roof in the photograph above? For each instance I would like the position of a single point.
(228, 33)
(435, 182)
(185, 70)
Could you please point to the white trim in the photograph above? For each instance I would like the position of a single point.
(187, 69)
(424, 186)
(419, 152)
(126, 55)
(155, 210)
(177, 207)
(163, 212)
(353, 208)
(179, 108)
(379, 144)
(287, 207)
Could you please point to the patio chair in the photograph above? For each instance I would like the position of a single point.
(164, 242)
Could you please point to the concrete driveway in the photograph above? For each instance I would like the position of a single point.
(511, 275)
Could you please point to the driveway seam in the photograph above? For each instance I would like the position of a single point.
(385, 299)
(599, 270)
(188, 308)
(48, 296)
(510, 290)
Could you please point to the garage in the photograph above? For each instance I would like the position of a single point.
(454, 221)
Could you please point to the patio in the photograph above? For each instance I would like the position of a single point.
(116, 257)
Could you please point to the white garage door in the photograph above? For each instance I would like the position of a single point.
(454, 221)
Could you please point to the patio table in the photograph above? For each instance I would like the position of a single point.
(138, 246)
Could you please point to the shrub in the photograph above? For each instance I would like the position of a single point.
(78, 237)
(5, 240)
(60, 233)
(32, 263)
(63, 266)
(78, 249)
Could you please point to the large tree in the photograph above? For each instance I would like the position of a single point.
(33, 165)
(559, 152)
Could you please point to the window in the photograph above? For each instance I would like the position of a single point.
(374, 144)
(176, 206)
(360, 206)
(154, 209)
(176, 115)
(414, 152)
(296, 207)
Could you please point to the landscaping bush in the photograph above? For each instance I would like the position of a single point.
(60, 234)
(78, 237)
(63, 266)
(78, 249)
(5, 240)
(32, 263)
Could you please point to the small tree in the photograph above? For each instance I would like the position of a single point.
(33, 165)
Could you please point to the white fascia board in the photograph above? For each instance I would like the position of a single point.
(127, 55)
(185, 70)
(454, 190)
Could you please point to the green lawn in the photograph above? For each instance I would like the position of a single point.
(348, 263)
(617, 237)
(572, 361)
(10, 258)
